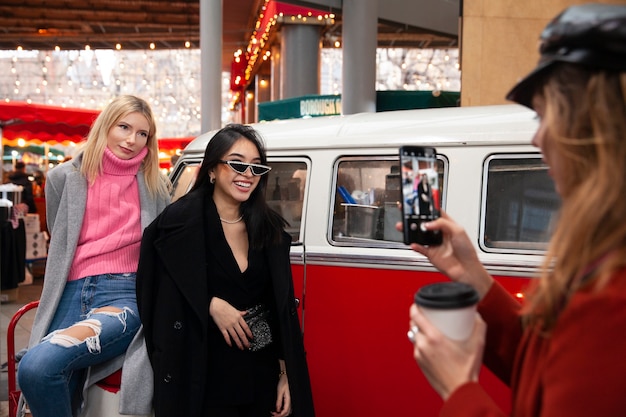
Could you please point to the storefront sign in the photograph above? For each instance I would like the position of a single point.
(320, 107)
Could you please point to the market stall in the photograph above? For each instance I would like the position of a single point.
(25, 124)
(29, 130)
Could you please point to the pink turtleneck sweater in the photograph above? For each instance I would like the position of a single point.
(111, 232)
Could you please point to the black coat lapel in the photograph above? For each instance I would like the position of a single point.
(181, 247)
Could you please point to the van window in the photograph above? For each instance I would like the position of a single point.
(519, 204)
(285, 189)
(366, 200)
(183, 179)
(285, 192)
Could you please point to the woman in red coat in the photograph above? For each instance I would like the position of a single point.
(562, 352)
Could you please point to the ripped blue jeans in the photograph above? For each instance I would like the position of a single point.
(51, 373)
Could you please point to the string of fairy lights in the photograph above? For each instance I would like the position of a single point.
(170, 79)
(271, 14)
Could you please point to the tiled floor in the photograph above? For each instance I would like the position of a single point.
(25, 294)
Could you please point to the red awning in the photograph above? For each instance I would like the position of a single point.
(38, 123)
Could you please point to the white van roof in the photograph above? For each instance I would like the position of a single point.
(513, 124)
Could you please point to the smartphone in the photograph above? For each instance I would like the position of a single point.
(420, 194)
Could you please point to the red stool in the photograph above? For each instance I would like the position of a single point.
(14, 393)
(111, 383)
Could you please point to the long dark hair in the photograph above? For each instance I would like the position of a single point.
(264, 225)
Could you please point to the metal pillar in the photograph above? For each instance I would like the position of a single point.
(360, 23)
(300, 60)
(211, 64)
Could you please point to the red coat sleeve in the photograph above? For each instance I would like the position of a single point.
(504, 331)
(501, 313)
(470, 400)
(578, 370)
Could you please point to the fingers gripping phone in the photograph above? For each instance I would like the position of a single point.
(420, 191)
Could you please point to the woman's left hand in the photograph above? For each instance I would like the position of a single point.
(446, 363)
(283, 399)
(230, 322)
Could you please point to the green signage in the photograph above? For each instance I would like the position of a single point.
(329, 105)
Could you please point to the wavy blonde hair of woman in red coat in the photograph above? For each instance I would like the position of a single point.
(585, 111)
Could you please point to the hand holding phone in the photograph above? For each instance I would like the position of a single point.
(420, 189)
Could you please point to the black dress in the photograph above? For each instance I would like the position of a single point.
(241, 378)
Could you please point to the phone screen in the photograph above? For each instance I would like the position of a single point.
(420, 194)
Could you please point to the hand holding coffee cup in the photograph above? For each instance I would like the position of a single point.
(449, 306)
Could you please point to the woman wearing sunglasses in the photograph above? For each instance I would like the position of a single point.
(215, 294)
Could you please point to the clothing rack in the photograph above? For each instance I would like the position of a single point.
(12, 238)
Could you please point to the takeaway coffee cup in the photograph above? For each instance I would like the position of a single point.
(450, 306)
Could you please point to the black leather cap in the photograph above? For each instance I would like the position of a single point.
(592, 35)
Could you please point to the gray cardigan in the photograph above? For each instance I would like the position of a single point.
(66, 199)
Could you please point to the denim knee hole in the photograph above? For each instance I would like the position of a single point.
(93, 342)
(121, 315)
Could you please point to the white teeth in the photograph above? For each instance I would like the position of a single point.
(243, 184)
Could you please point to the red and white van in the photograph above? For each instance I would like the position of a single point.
(354, 277)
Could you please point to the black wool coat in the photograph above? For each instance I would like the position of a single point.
(173, 303)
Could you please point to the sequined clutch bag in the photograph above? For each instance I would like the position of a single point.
(257, 319)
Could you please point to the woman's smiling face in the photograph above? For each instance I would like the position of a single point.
(233, 185)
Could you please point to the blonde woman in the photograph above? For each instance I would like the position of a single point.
(87, 322)
(562, 352)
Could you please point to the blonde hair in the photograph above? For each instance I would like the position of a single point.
(93, 149)
(586, 127)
